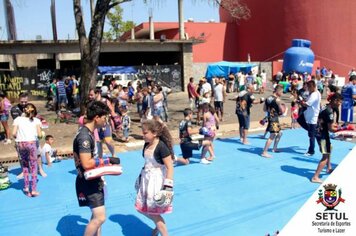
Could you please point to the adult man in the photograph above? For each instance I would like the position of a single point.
(204, 96)
(91, 192)
(192, 94)
(219, 98)
(18, 109)
(244, 103)
(348, 93)
(230, 82)
(165, 91)
(311, 114)
(61, 90)
(186, 144)
(326, 124)
(274, 109)
(206, 90)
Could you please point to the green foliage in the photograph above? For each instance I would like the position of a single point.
(117, 25)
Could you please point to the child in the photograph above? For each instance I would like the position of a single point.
(155, 183)
(48, 154)
(126, 123)
(211, 123)
(26, 145)
(294, 114)
(187, 144)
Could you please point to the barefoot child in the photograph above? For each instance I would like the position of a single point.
(294, 114)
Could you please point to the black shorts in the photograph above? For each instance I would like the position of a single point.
(219, 106)
(324, 145)
(273, 127)
(90, 192)
(244, 121)
(188, 147)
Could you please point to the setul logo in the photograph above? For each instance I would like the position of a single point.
(330, 197)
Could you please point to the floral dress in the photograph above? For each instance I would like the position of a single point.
(150, 182)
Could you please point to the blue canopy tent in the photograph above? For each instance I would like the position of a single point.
(223, 68)
(116, 70)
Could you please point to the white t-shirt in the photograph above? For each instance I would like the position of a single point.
(218, 93)
(312, 112)
(206, 89)
(47, 149)
(27, 129)
(264, 77)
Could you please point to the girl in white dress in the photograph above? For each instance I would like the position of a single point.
(155, 184)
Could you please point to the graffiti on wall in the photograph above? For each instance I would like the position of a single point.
(166, 75)
(34, 82)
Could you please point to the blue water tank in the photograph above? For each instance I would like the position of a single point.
(299, 57)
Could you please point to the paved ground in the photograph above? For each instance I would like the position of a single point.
(64, 133)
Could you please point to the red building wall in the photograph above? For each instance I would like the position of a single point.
(330, 25)
(219, 39)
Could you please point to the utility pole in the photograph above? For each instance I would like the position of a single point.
(181, 20)
(54, 22)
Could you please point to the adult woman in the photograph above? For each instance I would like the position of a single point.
(5, 107)
(26, 131)
(158, 103)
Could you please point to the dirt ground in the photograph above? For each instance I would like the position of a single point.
(177, 102)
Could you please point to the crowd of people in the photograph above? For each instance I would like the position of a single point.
(107, 113)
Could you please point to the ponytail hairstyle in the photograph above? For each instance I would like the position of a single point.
(162, 132)
(30, 111)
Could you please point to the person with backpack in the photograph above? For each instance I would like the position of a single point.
(5, 107)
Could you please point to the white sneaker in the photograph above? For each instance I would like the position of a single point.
(205, 161)
(7, 141)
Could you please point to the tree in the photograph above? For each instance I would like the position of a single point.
(90, 46)
(237, 9)
(117, 25)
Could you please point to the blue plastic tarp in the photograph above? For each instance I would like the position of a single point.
(223, 68)
(116, 70)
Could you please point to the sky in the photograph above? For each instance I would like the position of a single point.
(33, 16)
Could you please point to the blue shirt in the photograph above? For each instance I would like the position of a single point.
(61, 88)
(347, 92)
